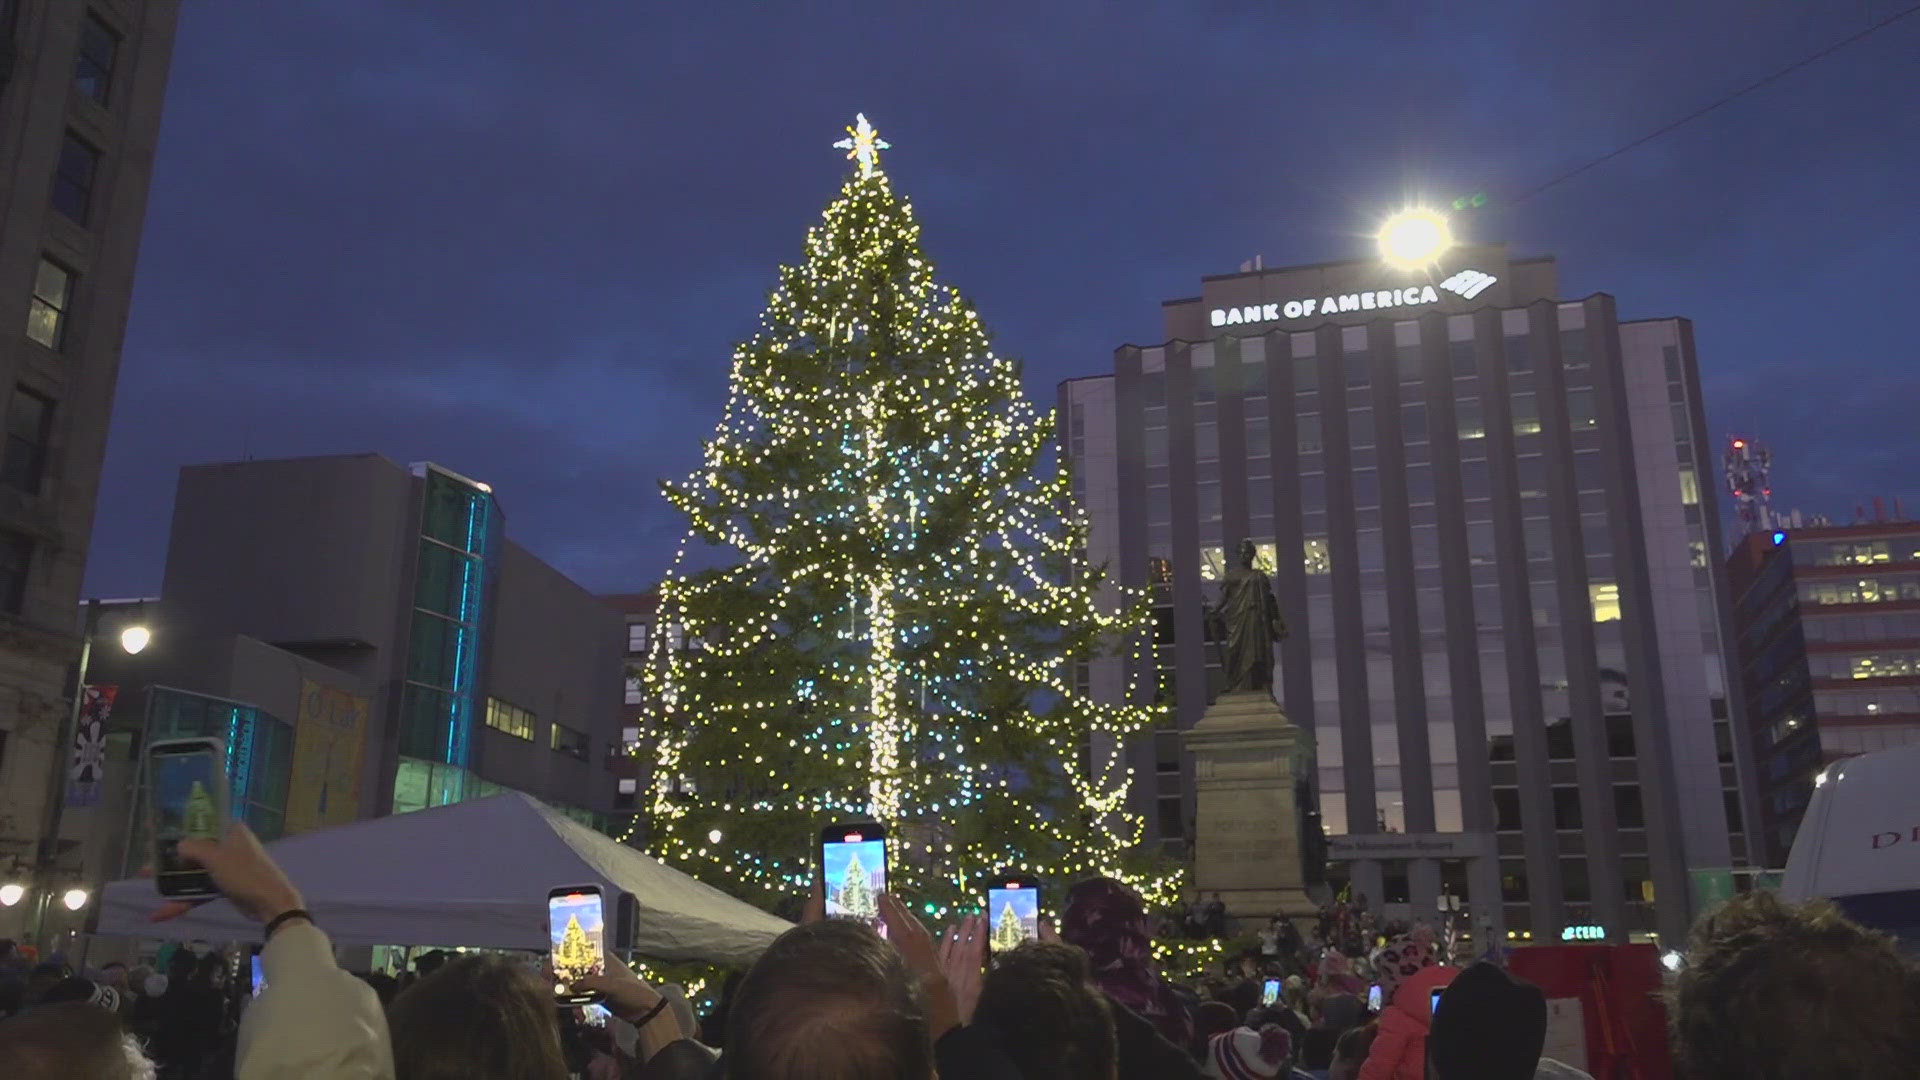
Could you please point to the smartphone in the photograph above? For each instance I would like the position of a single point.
(595, 1015)
(1270, 992)
(186, 800)
(1013, 911)
(853, 871)
(1433, 1002)
(259, 976)
(1373, 998)
(577, 929)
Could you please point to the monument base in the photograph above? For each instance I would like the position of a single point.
(1247, 832)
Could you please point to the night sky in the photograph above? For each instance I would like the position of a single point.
(520, 239)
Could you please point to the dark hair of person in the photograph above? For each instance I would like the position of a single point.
(68, 1040)
(1772, 989)
(1052, 1020)
(385, 987)
(1352, 1050)
(478, 1016)
(828, 1001)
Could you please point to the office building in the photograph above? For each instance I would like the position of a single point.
(369, 642)
(1828, 624)
(80, 94)
(1484, 513)
(632, 771)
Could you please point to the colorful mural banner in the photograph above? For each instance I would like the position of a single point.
(328, 741)
(90, 746)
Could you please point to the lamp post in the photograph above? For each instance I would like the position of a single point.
(133, 638)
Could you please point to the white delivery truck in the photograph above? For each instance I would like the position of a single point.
(1859, 843)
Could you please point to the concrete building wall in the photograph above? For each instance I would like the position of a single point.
(46, 513)
(557, 650)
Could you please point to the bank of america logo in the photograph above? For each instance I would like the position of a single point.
(1468, 283)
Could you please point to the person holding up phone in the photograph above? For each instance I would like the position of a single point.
(313, 1020)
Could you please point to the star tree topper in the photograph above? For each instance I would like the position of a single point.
(863, 144)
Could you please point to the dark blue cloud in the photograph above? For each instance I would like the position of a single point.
(520, 239)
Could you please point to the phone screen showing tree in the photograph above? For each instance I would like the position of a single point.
(578, 929)
(189, 803)
(855, 870)
(1013, 912)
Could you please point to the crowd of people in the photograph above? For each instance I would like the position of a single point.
(1767, 991)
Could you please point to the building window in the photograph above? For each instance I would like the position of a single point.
(1307, 431)
(73, 180)
(1506, 809)
(1526, 415)
(634, 694)
(1605, 598)
(1314, 555)
(29, 429)
(1566, 807)
(636, 637)
(630, 736)
(1689, 488)
(16, 556)
(52, 299)
(512, 719)
(1580, 409)
(629, 785)
(569, 741)
(1468, 419)
(1627, 811)
(93, 66)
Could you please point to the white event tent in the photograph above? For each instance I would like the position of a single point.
(473, 873)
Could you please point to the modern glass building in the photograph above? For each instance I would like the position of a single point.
(1829, 647)
(1483, 509)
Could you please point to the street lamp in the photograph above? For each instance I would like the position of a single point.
(133, 639)
(11, 892)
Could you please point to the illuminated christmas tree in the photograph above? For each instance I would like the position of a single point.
(575, 955)
(1008, 933)
(201, 819)
(883, 595)
(856, 892)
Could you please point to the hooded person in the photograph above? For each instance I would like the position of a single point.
(1489, 1026)
(1407, 970)
(1109, 921)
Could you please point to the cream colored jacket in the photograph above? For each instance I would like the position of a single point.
(313, 1021)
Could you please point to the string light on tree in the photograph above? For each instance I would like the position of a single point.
(882, 597)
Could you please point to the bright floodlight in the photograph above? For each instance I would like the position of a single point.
(134, 638)
(10, 894)
(1671, 959)
(1414, 238)
(75, 899)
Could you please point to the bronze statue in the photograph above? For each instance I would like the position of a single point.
(1248, 618)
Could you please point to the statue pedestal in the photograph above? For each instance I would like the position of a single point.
(1247, 836)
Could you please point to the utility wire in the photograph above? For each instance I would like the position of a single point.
(1704, 110)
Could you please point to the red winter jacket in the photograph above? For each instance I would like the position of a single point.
(1400, 1049)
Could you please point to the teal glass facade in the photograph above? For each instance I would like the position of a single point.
(259, 750)
(455, 575)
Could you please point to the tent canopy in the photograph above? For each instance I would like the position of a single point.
(473, 873)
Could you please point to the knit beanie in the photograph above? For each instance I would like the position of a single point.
(1403, 956)
(1246, 1054)
(1488, 1026)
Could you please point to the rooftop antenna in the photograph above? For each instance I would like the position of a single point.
(1747, 465)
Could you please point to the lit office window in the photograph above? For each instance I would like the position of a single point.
(512, 719)
(1689, 488)
(73, 179)
(1526, 415)
(637, 637)
(1469, 420)
(634, 694)
(1314, 555)
(629, 785)
(1605, 598)
(93, 65)
(1580, 409)
(52, 298)
(569, 741)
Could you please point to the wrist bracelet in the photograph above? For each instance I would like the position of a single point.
(650, 1014)
(281, 919)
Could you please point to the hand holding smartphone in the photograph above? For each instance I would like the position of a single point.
(1013, 911)
(577, 929)
(853, 871)
(187, 799)
(1270, 992)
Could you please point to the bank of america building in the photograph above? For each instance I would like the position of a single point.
(1490, 522)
